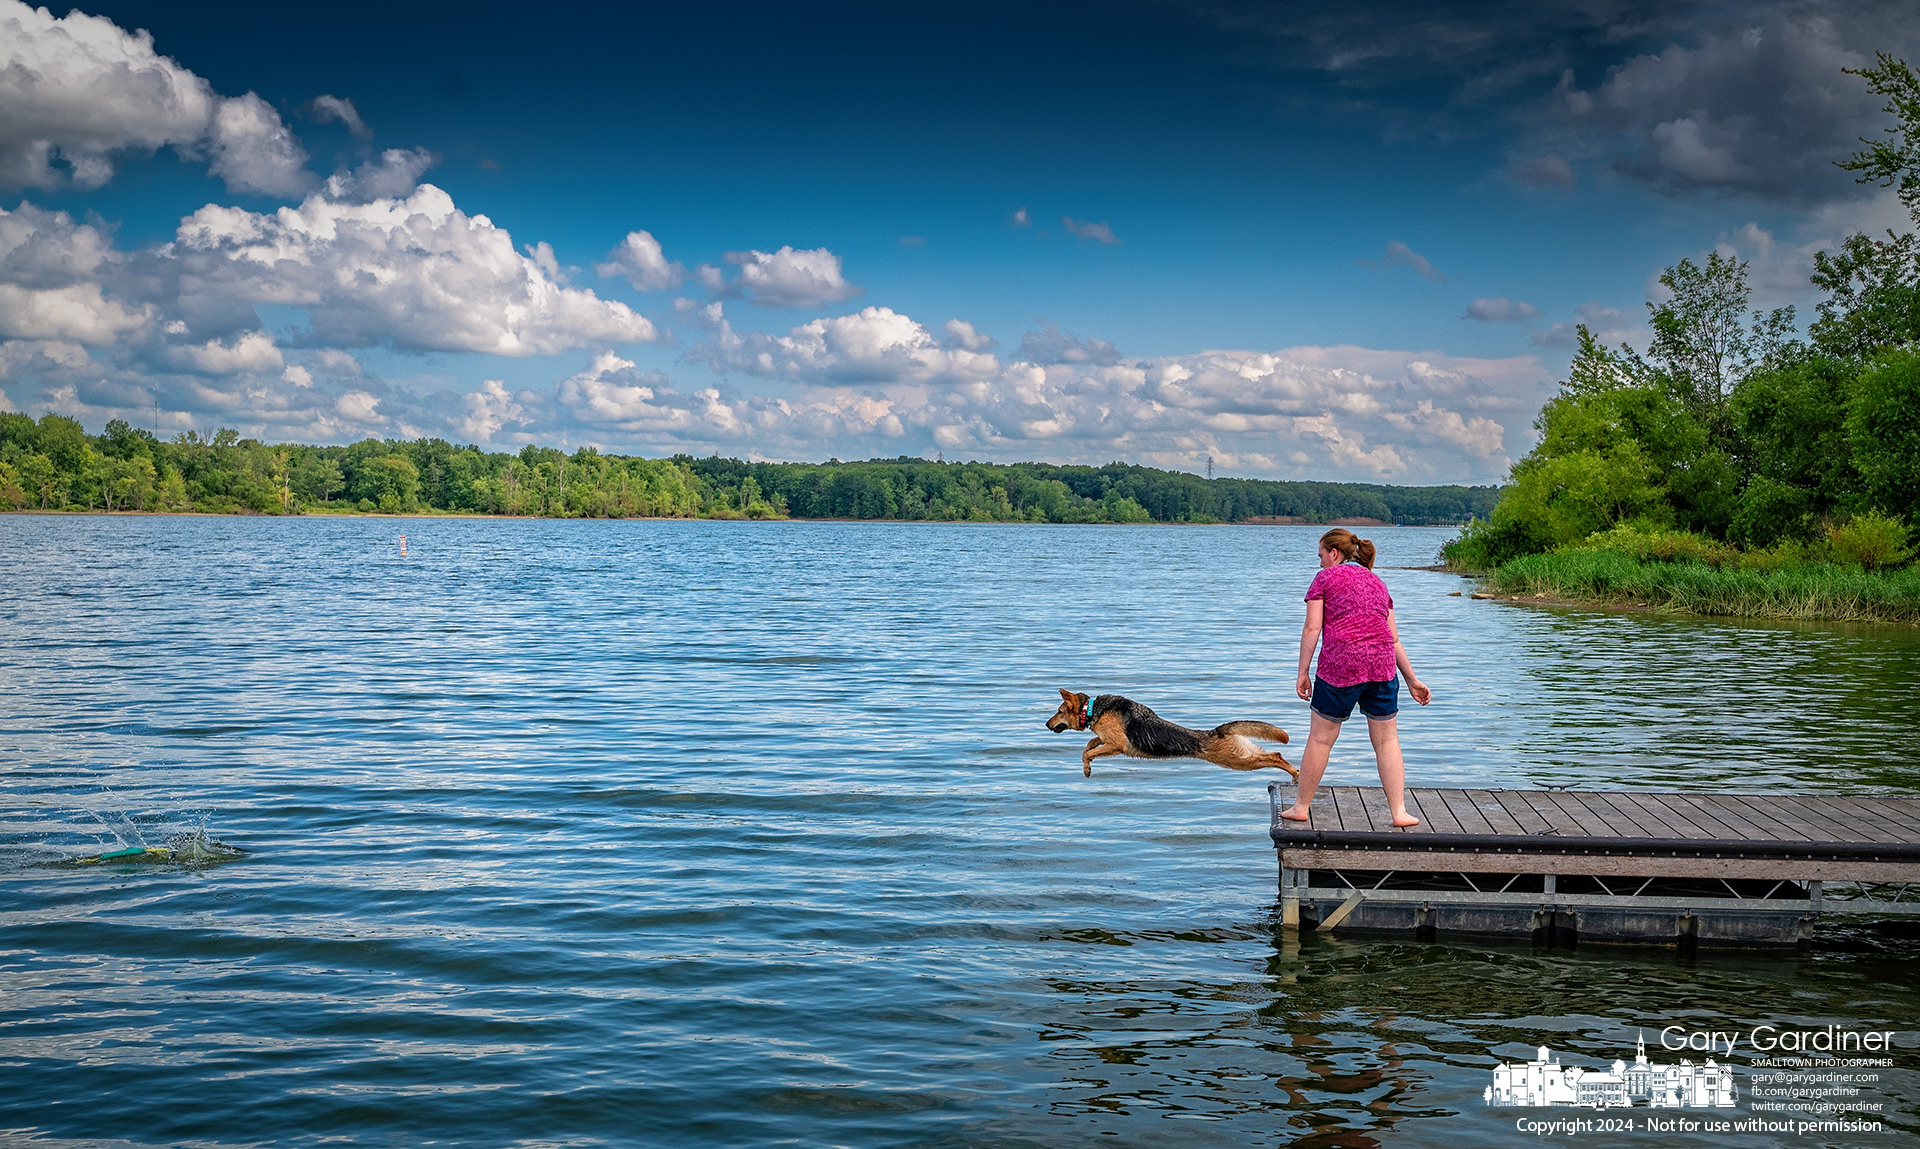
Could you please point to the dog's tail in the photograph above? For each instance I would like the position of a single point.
(1266, 731)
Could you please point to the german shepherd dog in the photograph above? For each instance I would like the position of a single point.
(1123, 726)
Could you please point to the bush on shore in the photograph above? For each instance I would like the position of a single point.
(1872, 540)
(1847, 576)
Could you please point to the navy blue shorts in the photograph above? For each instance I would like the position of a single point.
(1376, 699)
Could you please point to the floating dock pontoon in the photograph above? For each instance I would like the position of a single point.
(1611, 866)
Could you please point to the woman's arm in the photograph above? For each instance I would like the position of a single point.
(1415, 687)
(1309, 638)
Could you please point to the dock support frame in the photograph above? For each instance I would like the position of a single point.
(1634, 907)
(1292, 883)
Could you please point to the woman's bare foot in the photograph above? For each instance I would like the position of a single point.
(1295, 814)
(1405, 819)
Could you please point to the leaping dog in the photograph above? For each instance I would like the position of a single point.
(1123, 726)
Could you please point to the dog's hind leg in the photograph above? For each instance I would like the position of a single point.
(1249, 729)
(1254, 761)
(1278, 763)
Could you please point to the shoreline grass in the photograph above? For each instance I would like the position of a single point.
(1802, 591)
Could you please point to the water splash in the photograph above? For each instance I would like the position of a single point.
(194, 848)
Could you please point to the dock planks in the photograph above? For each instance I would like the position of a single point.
(1632, 814)
(1639, 831)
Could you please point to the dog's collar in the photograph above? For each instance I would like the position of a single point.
(1086, 715)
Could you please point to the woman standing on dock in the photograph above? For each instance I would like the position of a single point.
(1350, 617)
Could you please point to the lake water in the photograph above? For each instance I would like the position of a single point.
(690, 834)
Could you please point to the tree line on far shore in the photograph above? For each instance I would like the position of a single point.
(1733, 441)
(53, 464)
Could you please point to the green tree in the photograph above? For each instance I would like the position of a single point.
(389, 482)
(1872, 299)
(170, 493)
(1791, 421)
(460, 470)
(11, 492)
(1125, 509)
(122, 440)
(123, 483)
(40, 478)
(1597, 368)
(18, 434)
(1703, 344)
(64, 442)
(1883, 426)
(1893, 161)
(317, 478)
(1873, 285)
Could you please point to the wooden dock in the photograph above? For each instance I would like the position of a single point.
(1624, 866)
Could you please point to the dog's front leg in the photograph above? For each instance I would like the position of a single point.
(1096, 749)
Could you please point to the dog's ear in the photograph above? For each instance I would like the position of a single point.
(1066, 694)
(1077, 699)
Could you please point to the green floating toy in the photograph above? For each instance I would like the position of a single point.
(130, 854)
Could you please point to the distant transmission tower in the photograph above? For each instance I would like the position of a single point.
(1209, 466)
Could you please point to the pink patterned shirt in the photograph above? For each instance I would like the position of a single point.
(1356, 645)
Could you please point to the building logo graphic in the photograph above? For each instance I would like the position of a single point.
(1544, 1081)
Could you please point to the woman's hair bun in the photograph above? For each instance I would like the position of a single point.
(1351, 547)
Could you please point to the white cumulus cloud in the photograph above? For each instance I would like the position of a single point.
(253, 151)
(78, 91)
(873, 344)
(960, 333)
(414, 273)
(361, 408)
(53, 273)
(392, 175)
(78, 312)
(644, 264)
(487, 412)
(253, 351)
(792, 278)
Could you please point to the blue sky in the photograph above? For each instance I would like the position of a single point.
(1311, 244)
